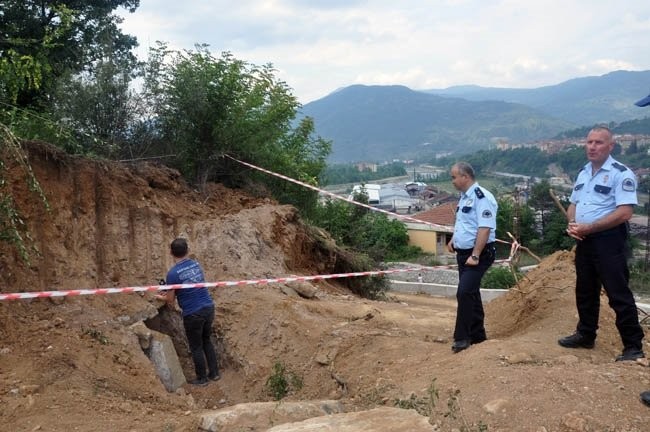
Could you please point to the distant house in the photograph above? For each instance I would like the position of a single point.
(433, 239)
(390, 197)
(395, 198)
(372, 190)
(366, 166)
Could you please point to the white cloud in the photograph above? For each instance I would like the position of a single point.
(319, 46)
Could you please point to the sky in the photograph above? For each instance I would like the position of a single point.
(319, 46)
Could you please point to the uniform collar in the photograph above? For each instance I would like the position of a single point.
(471, 188)
(607, 166)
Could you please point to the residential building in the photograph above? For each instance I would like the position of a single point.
(436, 229)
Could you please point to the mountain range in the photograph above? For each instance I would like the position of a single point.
(377, 123)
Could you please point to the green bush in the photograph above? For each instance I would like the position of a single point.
(498, 278)
(372, 233)
(281, 381)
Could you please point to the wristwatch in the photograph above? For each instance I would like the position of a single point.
(474, 257)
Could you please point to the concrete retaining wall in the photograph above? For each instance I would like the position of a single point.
(440, 290)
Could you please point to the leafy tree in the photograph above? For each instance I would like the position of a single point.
(101, 109)
(208, 107)
(42, 41)
(382, 238)
(499, 278)
(335, 217)
(633, 148)
(555, 237)
(571, 160)
(541, 200)
(516, 219)
(363, 230)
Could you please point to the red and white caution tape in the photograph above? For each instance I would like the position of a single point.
(99, 291)
(444, 228)
(149, 288)
(339, 197)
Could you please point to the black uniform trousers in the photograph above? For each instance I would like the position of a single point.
(469, 314)
(601, 259)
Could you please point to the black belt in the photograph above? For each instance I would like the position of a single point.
(469, 251)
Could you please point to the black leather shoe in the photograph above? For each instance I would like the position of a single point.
(216, 377)
(460, 345)
(576, 340)
(645, 397)
(630, 354)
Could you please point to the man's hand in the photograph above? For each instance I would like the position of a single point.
(472, 261)
(577, 231)
(450, 247)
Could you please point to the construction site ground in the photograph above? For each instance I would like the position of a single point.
(72, 364)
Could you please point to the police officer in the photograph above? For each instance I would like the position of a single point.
(602, 202)
(473, 242)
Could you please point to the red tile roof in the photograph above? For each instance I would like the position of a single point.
(444, 214)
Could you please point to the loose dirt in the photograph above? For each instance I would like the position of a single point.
(72, 365)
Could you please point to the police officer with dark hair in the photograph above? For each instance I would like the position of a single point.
(602, 202)
(473, 242)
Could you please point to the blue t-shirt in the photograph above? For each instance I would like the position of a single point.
(598, 195)
(476, 209)
(191, 300)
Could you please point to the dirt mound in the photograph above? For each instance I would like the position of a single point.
(545, 292)
(545, 299)
(72, 364)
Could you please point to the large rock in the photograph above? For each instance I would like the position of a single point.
(160, 350)
(382, 419)
(259, 416)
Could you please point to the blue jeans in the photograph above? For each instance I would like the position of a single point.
(198, 328)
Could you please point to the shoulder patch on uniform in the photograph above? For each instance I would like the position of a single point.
(486, 214)
(628, 185)
(619, 167)
(479, 193)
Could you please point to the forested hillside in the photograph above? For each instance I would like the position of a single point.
(378, 123)
(636, 127)
(531, 161)
(582, 101)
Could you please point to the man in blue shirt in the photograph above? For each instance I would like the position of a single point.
(602, 202)
(473, 242)
(198, 311)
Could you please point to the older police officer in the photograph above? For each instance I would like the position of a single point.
(602, 202)
(473, 242)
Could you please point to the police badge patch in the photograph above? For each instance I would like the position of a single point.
(628, 185)
(486, 214)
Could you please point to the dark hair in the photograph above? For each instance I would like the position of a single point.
(179, 247)
(465, 169)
